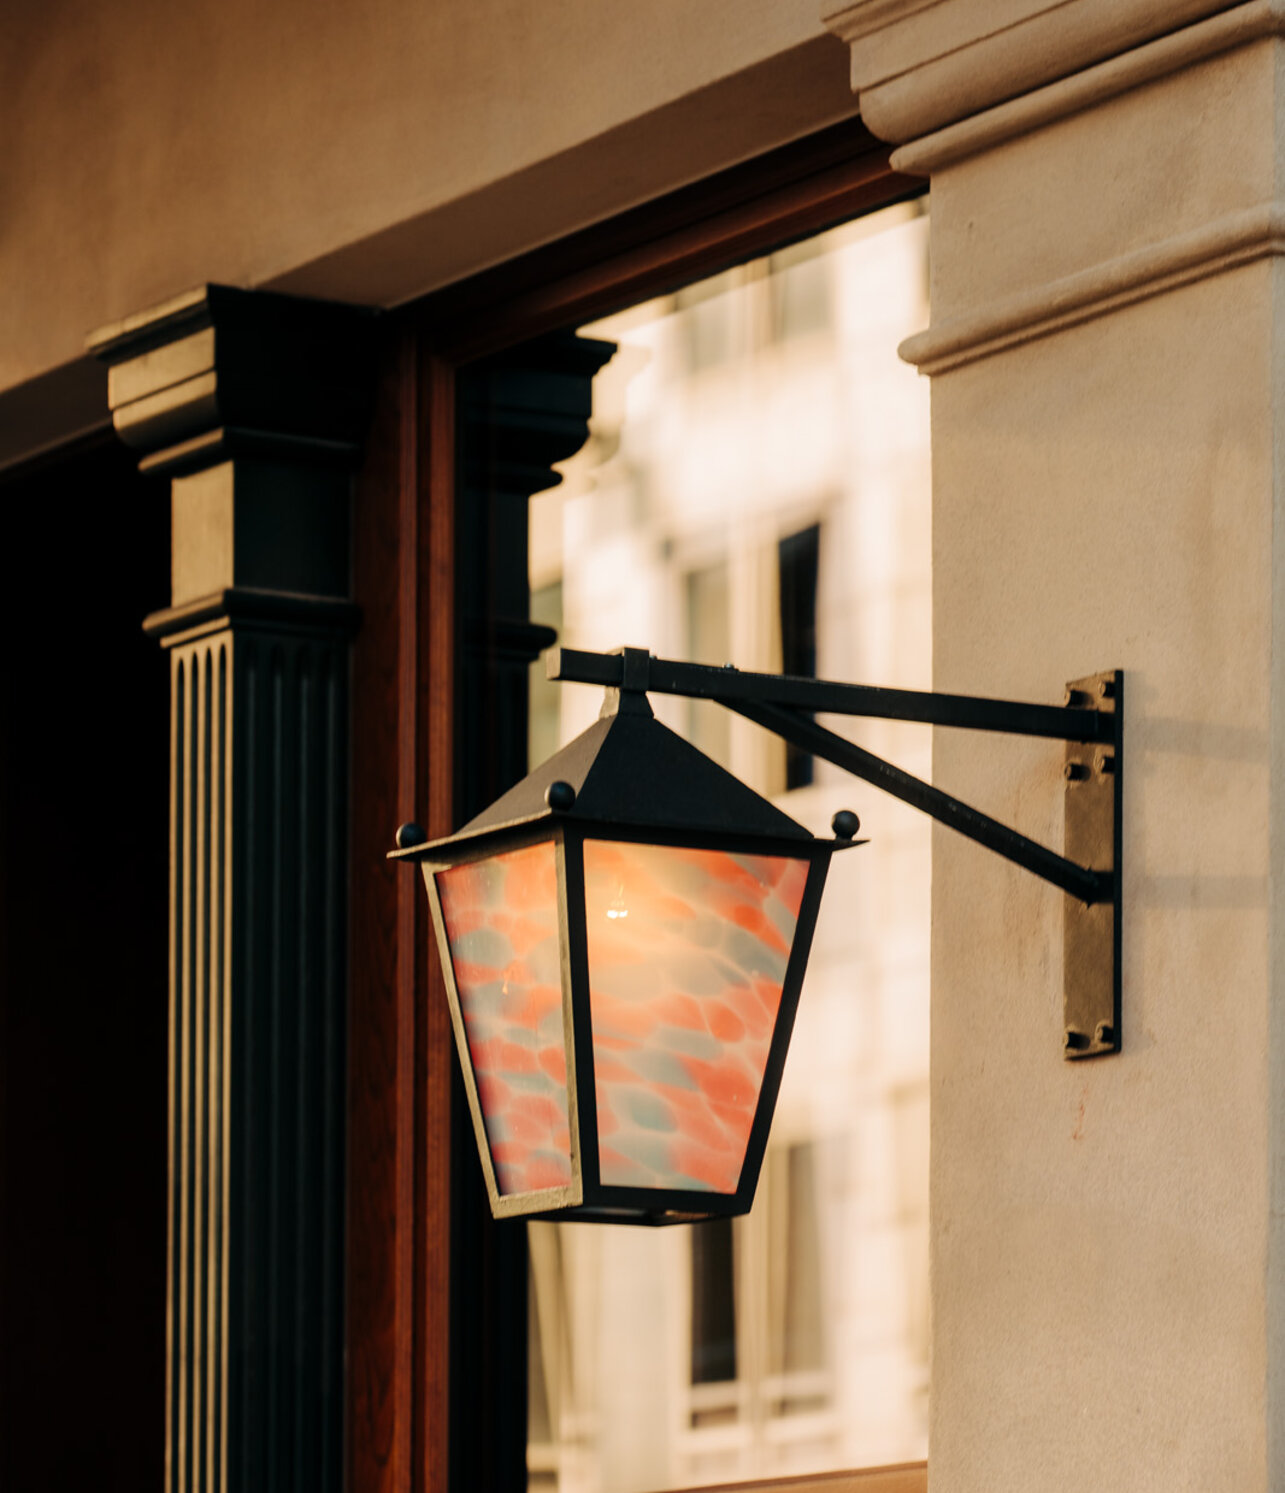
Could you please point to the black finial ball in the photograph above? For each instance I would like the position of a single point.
(410, 834)
(845, 824)
(560, 796)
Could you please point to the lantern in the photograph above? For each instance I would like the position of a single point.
(623, 936)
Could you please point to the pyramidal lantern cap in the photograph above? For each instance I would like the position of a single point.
(624, 935)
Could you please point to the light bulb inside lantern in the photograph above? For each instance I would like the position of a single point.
(616, 908)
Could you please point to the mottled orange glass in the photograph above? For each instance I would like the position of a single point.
(687, 956)
(502, 924)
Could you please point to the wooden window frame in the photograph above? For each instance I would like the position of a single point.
(405, 1147)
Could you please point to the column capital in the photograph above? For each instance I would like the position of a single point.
(254, 405)
(219, 372)
(919, 65)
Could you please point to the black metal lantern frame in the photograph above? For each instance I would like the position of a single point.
(630, 787)
(627, 787)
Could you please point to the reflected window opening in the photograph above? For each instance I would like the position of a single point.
(798, 563)
(713, 1354)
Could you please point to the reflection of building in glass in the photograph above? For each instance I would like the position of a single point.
(756, 490)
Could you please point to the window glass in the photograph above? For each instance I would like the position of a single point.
(755, 490)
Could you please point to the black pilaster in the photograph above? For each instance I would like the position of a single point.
(253, 405)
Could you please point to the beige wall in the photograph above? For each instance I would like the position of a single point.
(366, 152)
(1106, 352)
(1101, 1230)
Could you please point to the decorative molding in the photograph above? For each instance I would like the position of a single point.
(858, 19)
(508, 638)
(224, 442)
(221, 372)
(920, 65)
(524, 410)
(280, 612)
(1235, 240)
(1147, 64)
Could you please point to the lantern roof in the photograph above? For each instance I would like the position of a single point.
(629, 770)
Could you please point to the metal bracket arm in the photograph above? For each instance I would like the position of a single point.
(1078, 881)
(1093, 771)
(730, 686)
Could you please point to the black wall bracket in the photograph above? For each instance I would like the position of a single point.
(1091, 723)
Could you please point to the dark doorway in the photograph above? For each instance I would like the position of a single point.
(83, 989)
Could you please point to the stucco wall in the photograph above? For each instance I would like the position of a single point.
(1106, 484)
(367, 152)
(1101, 1229)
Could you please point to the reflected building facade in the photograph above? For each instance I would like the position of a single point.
(755, 490)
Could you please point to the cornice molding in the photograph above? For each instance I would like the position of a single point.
(524, 410)
(921, 65)
(220, 371)
(281, 613)
(861, 18)
(1234, 240)
(1147, 64)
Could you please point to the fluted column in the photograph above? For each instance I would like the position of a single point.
(253, 406)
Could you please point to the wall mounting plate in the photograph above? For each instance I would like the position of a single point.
(1091, 931)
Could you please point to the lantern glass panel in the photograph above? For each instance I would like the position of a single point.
(687, 953)
(501, 917)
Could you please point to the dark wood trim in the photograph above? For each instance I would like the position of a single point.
(54, 417)
(380, 1242)
(436, 1048)
(401, 1051)
(411, 506)
(697, 230)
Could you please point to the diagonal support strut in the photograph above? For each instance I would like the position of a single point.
(1091, 725)
(1078, 881)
